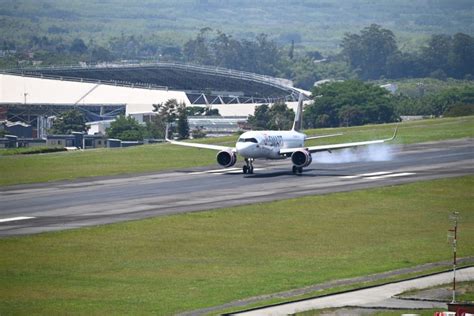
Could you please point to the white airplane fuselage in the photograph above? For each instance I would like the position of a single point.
(267, 144)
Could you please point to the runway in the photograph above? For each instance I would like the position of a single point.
(30, 209)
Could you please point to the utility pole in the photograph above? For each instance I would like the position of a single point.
(452, 235)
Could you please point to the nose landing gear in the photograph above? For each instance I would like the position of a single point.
(248, 168)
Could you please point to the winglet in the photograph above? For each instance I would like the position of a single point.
(394, 134)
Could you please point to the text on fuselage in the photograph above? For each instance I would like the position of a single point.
(275, 141)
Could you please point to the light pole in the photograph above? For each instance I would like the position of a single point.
(452, 235)
(28, 108)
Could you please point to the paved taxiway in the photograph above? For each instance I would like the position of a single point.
(375, 297)
(28, 209)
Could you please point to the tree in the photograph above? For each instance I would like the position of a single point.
(369, 51)
(78, 47)
(348, 103)
(168, 113)
(226, 51)
(197, 50)
(403, 65)
(168, 110)
(155, 128)
(69, 121)
(126, 128)
(276, 117)
(461, 59)
(259, 120)
(281, 117)
(100, 53)
(201, 111)
(183, 125)
(435, 55)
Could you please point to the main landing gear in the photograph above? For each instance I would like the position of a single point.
(248, 168)
(297, 170)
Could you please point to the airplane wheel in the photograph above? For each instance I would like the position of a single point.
(245, 169)
(295, 169)
(300, 170)
(251, 170)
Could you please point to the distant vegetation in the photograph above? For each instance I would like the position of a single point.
(311, 24)
(287, 39)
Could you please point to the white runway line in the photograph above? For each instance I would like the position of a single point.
(403, 174)
(367, 175)
(379, 175)
(11, 219)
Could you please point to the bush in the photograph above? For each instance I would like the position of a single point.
(31, 150)
(460, 110)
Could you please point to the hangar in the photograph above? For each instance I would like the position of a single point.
(31, 95)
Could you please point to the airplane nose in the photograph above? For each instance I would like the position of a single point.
(244, 149)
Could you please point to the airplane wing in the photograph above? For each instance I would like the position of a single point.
(196, 145)
(314, 149)
(322, 136)
(202, 146)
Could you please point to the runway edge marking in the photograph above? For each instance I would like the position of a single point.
(12, 219)
(378, 175)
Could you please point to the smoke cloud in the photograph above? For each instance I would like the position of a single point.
(378, 152)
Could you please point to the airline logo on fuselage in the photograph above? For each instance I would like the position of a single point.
(274, 141)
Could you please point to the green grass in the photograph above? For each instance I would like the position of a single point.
(170, 264)
(152, 158)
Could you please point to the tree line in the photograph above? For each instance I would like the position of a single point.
(354, 102)
(372, 53)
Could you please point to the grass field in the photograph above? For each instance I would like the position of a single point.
(152, 158)
(170, 264)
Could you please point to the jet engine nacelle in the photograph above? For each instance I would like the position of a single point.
(301, 158)
(226, 158)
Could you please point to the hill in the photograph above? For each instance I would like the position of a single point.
(313, 24)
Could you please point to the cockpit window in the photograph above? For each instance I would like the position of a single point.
(248, 140)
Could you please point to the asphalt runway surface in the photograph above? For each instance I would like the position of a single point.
(30, 209)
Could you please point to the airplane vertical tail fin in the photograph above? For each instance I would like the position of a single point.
(298, 123)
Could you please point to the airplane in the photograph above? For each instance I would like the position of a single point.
(275, 145)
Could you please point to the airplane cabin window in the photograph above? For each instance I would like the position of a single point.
(248, 140)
